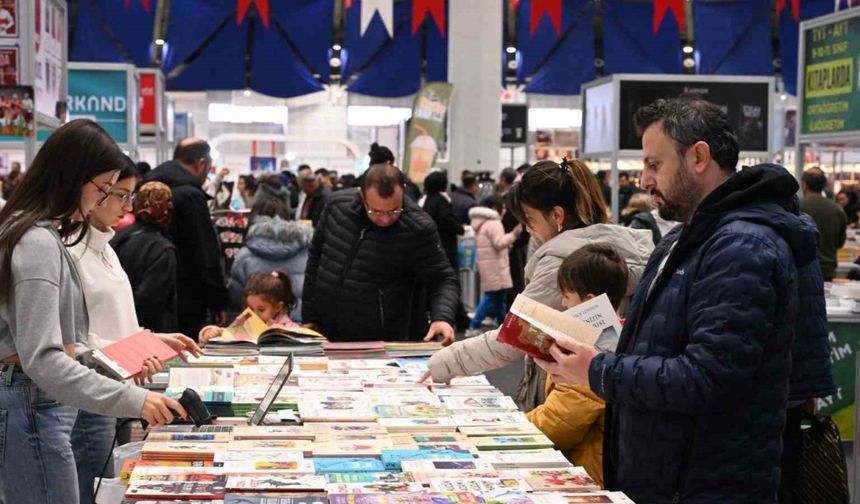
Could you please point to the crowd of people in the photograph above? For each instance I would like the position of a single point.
(720, 286)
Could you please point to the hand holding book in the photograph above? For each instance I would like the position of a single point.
(572, 360)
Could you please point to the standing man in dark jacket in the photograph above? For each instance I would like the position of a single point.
(316, 197)
(829, 217)
(463, 198)
(201, 286)
(698, 387)
(372, 255)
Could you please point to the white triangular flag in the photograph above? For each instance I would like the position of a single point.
(386, 14)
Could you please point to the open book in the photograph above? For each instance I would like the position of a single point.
(249, 330)
(124, 359)
(531, 326)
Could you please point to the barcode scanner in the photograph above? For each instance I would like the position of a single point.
(194, 406)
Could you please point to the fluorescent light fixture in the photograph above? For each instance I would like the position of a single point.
(362, 115)
(159, 42)
(554, 118)
(246, 114)
(511, 49)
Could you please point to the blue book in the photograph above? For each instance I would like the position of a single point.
(347, 465)
(392, 458)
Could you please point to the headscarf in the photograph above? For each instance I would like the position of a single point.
(154, 204)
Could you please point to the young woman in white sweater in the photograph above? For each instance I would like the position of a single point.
(110, 304)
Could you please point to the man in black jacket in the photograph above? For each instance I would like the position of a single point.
(316, 196)
(373, 254)
(199, 277)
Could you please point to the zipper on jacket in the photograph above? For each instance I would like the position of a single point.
(685, 462)
(351, 258)
(381, 298)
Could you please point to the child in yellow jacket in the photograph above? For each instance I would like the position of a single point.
(572, 416)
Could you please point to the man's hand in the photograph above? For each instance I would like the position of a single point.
(218, 318)
(572, 360)
(443, 328)
(181, 344)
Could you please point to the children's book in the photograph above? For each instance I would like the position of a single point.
(571, 479)
(479, 485)
(306, 483)
(373, 477)
(349, 465)
(480, 403)
(501, 443)
(270, 445)
(249, 330)
(374, 488)
(366, 448)
(124, 359)
(367, 428)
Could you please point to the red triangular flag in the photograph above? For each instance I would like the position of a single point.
(242, 7)
(677, 8)
(552, 8)
(436, 8)
(795, 8)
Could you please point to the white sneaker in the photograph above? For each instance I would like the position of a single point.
(471, 333)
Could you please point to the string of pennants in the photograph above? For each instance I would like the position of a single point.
(389, 47)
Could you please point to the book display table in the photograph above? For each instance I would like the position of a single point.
(352, 431)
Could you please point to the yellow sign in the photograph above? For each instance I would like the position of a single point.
(829, 79)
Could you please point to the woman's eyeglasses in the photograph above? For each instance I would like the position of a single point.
(123, 197)
(105, 193)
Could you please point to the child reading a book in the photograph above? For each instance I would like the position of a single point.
(270, 296)
(572, 416)
(493, 268)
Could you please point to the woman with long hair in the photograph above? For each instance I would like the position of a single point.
(43, 319)
(562, 207)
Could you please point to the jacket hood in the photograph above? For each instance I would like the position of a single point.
(480, 215)
(628, 241)
(764, 194)
(281, 193)
(275, 239)
(172, 174)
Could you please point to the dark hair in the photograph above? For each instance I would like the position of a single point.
(435, 182)
(250, 182)
(469, 180)
(690, 119)
(303, 167)
(623, 175)
(191, 152)
(497, 203)
(466, 174)
(814, 179)
(51, 189)
(523, 168)
(384, 177)
(269, 206)
(594, 269)
(569, 185)
(851, 194)
(129, 170)
(348, 180)
(379, 154)
(508, 175)
(143, 168)
(275, 286)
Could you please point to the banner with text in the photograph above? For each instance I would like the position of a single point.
(101, 95)
(830, 101)
(844, 341)
(426, 129)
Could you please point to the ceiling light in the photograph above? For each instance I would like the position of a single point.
(159, 42)
(336, 47)
(511, 49)
(688, 49)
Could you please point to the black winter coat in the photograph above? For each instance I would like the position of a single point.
(149, 259)
(440, 210)
(315, 203)
(201, 284)
(463, 201)
(364, 282)
(697, 390)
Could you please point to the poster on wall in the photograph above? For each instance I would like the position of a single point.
(16, 111)
(9, 18)
(101, 95)
(147, 101)
(48, 57)
(426, 129)
(8, 66)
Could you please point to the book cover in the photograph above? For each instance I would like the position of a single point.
(177, 489)
(270, 445)
(124, 359)
(246, 329)
(478, 403)
(348, 465)
(446, 465)
(425, 477)
(421, 410)
(305, 483)
(219, 437)
(255, 456)
(273, 499)
(497, 443)
(522, 429)
(416, 498)
(548, 459)
(279, 467)
(273, 432)
(345, 365)
(376, 487)
(531, 327)
(572, 479)
(479, 485)
(393, 458)
(442, 424)
(485, 419)
(598, 313)
(373, 477)
(368, 428)
(364, 448)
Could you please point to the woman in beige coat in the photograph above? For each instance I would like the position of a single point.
(493, 267)
(562, 207)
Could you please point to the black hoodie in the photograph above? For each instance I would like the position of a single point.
(201, 284)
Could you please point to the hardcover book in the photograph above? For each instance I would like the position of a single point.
(124, 359)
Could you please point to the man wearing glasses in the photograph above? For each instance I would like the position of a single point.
(200, 286)
(376, 267)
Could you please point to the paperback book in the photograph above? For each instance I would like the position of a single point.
(414, 498)
(572, 479)
(124, 359)
(306, 483)
(348, 465)
(273, 499)
(435, 425)
(520, 429)
(374, 488)
(480, 403)
(527, 459)
(373, 477)
(177, 489)
(499, 443)
(479, 485)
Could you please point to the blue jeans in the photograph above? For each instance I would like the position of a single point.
(92, 443)
(495, 302)
(36, 459)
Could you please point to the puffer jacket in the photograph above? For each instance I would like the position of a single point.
(492, 242)
(696, 393)
(572, 418)
(364, 282)
(483, 353)
(271, 244)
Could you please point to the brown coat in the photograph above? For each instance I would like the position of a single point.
(493, 243)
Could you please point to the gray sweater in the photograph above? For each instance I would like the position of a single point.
(45, 312)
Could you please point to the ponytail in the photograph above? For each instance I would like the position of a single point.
(277, 286)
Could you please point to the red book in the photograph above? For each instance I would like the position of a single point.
(125, 358)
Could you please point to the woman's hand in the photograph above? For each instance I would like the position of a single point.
(181, 344)
(151, 366)
(157, 409)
